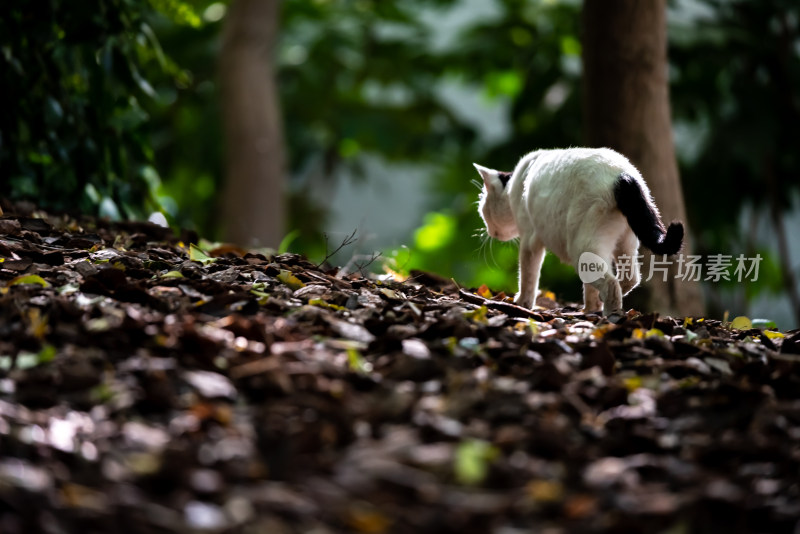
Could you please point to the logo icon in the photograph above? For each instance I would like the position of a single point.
(591, 267)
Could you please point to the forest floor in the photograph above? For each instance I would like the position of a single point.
(148, 386)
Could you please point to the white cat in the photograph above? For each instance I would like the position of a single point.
(572, 201)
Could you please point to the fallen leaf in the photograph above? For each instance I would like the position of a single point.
(477, 315)
(545, 490)
(37, 323)
(741, 323)
(198, 255)
(28, 279)
(547, 295)
(290, 280)
(641, 333)
(366, 519)
(764, 324)
(772, 334)
(357, 363)
(472, 459)
(321, 303)
(390, 294)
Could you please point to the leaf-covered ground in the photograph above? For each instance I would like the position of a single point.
(147, 387)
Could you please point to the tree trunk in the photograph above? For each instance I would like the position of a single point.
(253, 199)
(626, 107)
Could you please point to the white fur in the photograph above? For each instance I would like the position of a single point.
(563, 200)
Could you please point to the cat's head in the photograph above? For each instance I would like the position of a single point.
(494, 205)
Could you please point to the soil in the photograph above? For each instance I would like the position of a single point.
(148, 386)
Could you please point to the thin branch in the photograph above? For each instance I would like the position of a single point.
(367, 263)
(347, 241)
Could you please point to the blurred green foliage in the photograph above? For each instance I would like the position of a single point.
(77, 79)
(735, 69)
(361, 77)
(107, 92)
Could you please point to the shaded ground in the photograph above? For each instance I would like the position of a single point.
(141, 391)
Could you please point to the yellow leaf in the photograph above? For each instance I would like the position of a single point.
(396, 275)
(687, 322)
(484, 292)
(641, 333)
(290, 280)
(37, 323)
(548, 295)
(602, 330)
(28, 279)
(477, 315)
(357, 362)
(633, 383)
(324, 304)
(534, 327)
(742, 323)
(545, 490)
(367, 520)
(173, 274)
(772, 334)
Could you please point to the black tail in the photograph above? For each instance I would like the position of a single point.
(643, 218)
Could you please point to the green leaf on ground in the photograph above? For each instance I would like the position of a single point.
(764, 324)
(197, 254)
(472, 459)
(357, 362)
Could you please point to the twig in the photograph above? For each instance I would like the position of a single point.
(512, 310)
(370, 261)
(354, 261)
(347, 241)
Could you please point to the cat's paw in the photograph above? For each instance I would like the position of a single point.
(525, 303)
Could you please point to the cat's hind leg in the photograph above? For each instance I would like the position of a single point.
(591, 299)
(605, 287)
(598, 236)
(627, 262)
(531, 256)
(610, 293)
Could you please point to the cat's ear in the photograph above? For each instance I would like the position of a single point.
(489, 175)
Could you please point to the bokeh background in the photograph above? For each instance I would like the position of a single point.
(379, 107)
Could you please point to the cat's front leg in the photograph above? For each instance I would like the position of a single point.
(531, 255)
